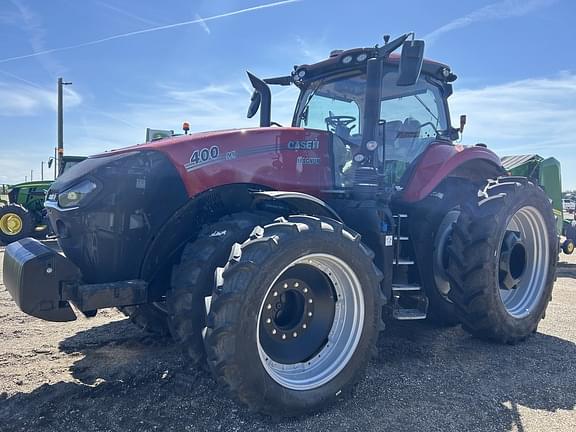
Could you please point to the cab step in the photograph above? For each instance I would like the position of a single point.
(409, 302)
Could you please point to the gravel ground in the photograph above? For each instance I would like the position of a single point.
(104, 374)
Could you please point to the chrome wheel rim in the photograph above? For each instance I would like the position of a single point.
(523, 262)
(343, 333)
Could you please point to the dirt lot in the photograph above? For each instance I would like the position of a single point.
(104, 374)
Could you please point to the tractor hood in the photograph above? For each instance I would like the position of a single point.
(108, 207)
(233, 156)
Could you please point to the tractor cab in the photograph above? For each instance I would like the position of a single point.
(382, 110)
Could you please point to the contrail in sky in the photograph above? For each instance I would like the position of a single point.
(148, 30)
(495, 11)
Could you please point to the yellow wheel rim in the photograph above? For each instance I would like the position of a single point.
(570, 248)
(11, 224)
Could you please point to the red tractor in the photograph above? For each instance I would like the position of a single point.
(274, 255)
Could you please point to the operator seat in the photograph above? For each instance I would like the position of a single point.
(391, 134)
(408, 139)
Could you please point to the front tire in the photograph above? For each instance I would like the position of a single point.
(193, 278)
(502, 260)
(295, 315)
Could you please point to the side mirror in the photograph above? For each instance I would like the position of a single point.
(462, 122)
(264, 99)
(50, 162)
(254, 104)
(411, 61)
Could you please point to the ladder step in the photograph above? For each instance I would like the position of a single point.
(409, 314)
(405, 287)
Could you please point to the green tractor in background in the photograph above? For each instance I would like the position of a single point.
(24, 214)
(547, 173)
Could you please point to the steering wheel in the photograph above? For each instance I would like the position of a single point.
(340, 121)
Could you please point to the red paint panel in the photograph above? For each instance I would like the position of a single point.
(261, 156)
(437, 162)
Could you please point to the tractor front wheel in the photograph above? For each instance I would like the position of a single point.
(193, 278)
(502, 260)
(294, 316)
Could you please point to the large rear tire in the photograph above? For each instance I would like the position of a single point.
(502, 260)
(431, 223)
(193, 278)
(295, 315)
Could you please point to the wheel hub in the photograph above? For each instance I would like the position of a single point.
(512, 260)
(297, 315)
(11, 224)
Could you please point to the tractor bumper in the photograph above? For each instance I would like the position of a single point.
(44, 284)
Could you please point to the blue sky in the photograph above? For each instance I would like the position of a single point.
(514, 58)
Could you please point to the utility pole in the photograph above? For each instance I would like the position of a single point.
(55, 162)
(31, 175)
(42, 171)
(61, 84)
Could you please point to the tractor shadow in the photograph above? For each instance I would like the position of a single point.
(567, 270)
(422, 378)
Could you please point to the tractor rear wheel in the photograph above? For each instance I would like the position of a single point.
(502, 260)
(295, 315)
(15, 223)
(431, 224)
(193, 278)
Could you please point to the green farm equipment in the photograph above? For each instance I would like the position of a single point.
(24, 214)
(547, 173)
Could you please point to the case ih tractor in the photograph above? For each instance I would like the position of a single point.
(274, 255)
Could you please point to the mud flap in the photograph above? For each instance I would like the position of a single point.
(35, 275)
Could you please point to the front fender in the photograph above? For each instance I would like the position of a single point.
(442, 160)
(297, 201)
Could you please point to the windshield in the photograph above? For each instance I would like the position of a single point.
(412, 117)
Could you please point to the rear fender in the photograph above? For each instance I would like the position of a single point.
(441, 160)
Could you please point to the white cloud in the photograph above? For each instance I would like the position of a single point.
(521, 117)
(32, 25)
(312, 52)
(495, 11)
(25, 100)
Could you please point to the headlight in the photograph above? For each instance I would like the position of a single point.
(73, 196)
